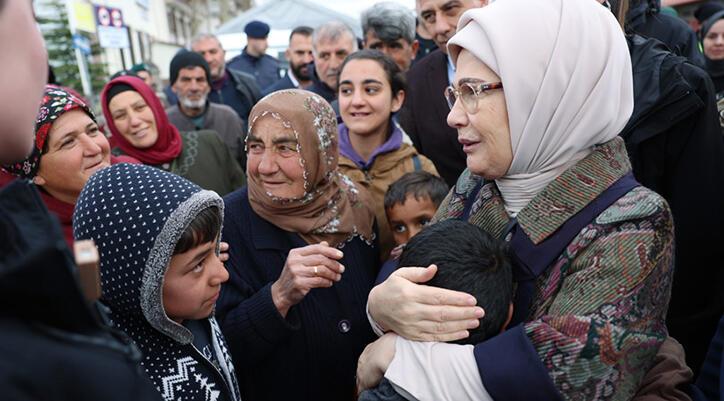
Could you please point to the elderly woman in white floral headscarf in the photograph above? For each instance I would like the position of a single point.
(302, 257)
(538, 116)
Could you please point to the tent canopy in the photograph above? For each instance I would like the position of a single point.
(289, 14)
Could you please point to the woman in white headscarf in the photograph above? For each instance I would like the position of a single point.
(538, 106)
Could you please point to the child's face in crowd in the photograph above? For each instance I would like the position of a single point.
(407, 219)
(366, 99)
(192, 283)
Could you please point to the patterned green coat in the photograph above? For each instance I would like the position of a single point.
(597, 316)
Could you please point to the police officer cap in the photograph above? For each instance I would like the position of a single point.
(256, 29)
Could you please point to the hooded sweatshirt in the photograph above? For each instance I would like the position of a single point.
(388, 163)
(136, 214)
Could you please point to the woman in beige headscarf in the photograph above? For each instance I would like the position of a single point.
(302, 257)
(538, 105)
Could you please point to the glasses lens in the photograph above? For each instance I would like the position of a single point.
(467, 95)
(450, 96)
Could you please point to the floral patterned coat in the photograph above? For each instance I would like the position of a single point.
(596, 319)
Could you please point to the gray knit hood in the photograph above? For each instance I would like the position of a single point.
(136, 214)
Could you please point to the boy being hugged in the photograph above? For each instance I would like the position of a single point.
(158, 240)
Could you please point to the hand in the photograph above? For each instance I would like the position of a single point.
(312, 266)
(397, 251)
(223, 251)
(420, 312)
(374, 361)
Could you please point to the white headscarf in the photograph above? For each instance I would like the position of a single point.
(567, 79)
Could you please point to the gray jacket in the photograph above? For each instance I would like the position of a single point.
(217, 117)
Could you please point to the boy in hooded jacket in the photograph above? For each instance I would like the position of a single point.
(158, 239)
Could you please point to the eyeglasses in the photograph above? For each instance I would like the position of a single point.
(469, 93)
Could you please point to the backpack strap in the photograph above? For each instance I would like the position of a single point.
(416, 162)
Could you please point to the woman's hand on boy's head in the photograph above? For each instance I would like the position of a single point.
(418, 312)
(223, 251)
(374, 361)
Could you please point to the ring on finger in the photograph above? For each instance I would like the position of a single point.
(316, 271)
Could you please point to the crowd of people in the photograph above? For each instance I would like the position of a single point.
(477, 200)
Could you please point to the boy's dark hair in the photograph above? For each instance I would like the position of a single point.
(420, 184)
(395, 77)
(204, 228)
(470, 260)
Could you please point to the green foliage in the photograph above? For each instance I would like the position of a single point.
(61, 54)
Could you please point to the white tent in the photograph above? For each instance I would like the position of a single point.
(287, 15)
(282, 16)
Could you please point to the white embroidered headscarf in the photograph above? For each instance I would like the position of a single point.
(567, 79)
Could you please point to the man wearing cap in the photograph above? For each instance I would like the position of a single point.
(253, 59)
(190, 80)
(233, 88)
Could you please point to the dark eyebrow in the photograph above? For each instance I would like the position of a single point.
(288, 139)
(365, 82)
(471, 81)
(74, 133)
(201, 255)
(450, 4)
(62, 138)
(276, 141)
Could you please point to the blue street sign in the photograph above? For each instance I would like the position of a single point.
(82, 43)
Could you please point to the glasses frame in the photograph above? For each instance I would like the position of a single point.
(478, 90)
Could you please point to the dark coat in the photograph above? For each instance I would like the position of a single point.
(239, 91)
(284, 83)
(710, 384)
(424, 116)
(323, 90)
(310, 355)
(52, 346)
(264, 69)
(644, 18)
(675, 145)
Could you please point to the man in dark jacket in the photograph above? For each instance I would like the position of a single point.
(233, 88)
(332, 43)
(645, 18)
(675, 145)
(301, 62)
(424, 114)
(253, 60)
